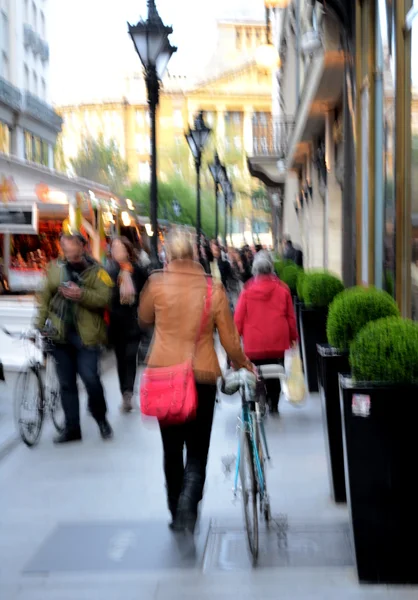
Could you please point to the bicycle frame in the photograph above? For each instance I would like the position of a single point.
(248, 418)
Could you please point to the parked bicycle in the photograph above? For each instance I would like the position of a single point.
(37, 391)
(252, 446)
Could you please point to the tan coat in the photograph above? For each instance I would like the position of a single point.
(174, 301)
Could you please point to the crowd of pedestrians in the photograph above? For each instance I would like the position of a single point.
(85, 306)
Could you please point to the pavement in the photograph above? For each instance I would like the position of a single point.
(89, 521)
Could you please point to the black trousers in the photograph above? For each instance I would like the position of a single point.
(195, 435)
(72, 358)
(273, 386)
(126, 352)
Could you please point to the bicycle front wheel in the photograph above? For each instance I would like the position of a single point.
(29, 406)
(249, 493)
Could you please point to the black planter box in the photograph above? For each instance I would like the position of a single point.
(379, 432)
(313, 325)
(297, 304)
(330, 364)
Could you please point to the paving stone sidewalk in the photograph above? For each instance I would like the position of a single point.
(89, 521)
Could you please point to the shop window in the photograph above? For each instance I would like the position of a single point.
(414, 171)
(386, 56)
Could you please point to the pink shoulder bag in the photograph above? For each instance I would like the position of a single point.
(169, 393)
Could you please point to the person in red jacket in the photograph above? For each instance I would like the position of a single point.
(266, 321)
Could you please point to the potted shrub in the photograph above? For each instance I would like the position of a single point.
(318, 291)
(380, 415)
(289, 276)
(348, 313)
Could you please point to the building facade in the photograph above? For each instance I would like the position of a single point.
(344, 149)
(235, 95)
(28, 124)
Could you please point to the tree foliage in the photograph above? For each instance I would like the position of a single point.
(177, 189)
(101, 162)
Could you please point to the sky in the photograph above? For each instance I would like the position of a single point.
(91, 52)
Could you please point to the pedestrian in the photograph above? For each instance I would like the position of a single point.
(77, 291)
(265, 319)
(124, 332)
(220, 267)
(174, 301)
(290, 252)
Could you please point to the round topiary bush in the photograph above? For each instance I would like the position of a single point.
(280, 265)
(351, 310)
(386, 351)
(299, 284)
(320, 288)
(290, 276)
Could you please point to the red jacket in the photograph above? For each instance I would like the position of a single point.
(265, 318)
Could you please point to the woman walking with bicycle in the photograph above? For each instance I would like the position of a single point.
(176, 301)
(265, 319)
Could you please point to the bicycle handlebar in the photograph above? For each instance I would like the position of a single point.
(234, 380)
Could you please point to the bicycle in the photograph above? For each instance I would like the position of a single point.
(37, 391)
(252, 447)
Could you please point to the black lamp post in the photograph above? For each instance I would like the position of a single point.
(197, 138)
(216, 171)
(224, 183)
(151, 42)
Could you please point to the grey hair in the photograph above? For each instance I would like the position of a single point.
(263, 264)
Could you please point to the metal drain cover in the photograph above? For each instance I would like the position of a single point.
(296, 545)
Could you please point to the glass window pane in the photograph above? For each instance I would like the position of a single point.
(414, 170)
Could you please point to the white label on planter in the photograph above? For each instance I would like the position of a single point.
(361, 405)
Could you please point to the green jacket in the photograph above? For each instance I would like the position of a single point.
(88, 311)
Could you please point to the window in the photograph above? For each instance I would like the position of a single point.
(238, 39)
(26, 75)
(4, 138)
(264, 146)
(178, 140)
(236, 118)
(44, 153)
(26, 11)
(144, 174)
(262, 119)
(4, 71)
(28, 146)
(34, 83)
(178, 118)
(34, 16)
(43, 26)
(43, 89)
(237, 143)
(139, 115)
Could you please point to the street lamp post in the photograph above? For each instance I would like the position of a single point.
(197, 138)
(151, 42)
(216, 171)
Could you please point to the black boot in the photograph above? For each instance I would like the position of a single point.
(172, 506)
(187, 507)
(70, 434)
(105, 429)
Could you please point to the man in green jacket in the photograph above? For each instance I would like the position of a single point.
(76, 294)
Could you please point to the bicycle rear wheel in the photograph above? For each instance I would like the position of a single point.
(249, 493)
(54, 396)
(29, 406)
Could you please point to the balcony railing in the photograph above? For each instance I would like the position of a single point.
(272, 139)
(42, 112)
(9, 95)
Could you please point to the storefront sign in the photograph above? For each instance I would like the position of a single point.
(19, 218)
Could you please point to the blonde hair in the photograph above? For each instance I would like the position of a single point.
(179, 244)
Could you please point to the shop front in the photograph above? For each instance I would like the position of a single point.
(36, 206)
(387, 148)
